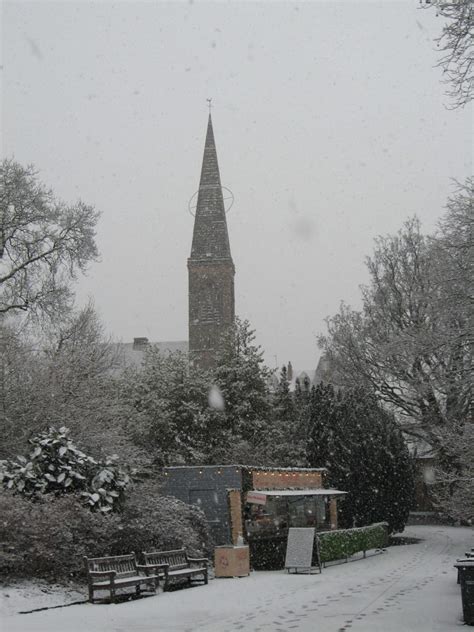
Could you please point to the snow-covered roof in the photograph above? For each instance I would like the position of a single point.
(132, 354)
(257, 468)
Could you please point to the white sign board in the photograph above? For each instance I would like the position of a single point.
(299, 550)
(256, 499)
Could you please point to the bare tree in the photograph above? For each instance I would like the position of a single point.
(454, 488)
(68, 378)
(456, 43)
(43, 243)
(412, 342)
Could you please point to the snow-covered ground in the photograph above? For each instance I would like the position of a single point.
(407, 588)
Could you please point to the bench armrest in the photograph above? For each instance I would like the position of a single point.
(109, 574)
(198, 560)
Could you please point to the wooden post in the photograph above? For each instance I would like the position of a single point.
(235, 513)
(333, 512)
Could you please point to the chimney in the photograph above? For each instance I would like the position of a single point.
(139, 344)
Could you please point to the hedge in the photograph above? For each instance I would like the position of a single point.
(269, 554)
(336, 545)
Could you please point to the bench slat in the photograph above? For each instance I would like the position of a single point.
(126, 581)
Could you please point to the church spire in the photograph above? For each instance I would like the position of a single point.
(210, 267)
(210, 237)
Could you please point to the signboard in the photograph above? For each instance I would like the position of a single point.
(256, 498)
(299, 550)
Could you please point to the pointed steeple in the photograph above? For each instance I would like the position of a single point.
(210, 236)
(210, 267)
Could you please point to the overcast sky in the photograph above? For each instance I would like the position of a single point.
(330, 124)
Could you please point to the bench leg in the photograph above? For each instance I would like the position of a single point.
(112, 595)
(206, 580)
(91, 594)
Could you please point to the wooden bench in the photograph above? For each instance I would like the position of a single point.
(120, 571)
(177, 565)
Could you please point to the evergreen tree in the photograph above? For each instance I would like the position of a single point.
(243, 380)
(364, 451)
(286, 446)
(283, 403)
(321, 423)
(176, 421)
(302, 403)
(187, 415)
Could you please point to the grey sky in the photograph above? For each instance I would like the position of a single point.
(330, 126)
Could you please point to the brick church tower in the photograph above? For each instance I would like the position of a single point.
(210, 267)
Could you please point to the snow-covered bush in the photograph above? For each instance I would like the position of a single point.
(48, 538)
(56, 466)
(153, 522)
(335, 545)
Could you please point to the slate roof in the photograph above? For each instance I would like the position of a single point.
(210, 236)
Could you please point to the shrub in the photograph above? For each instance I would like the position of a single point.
(48, 538)
(152, 522)
(56, 466)
(336, 545)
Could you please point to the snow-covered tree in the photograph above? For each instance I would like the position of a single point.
(65, 377)
(456, 44)
(187, 415)
(283, 402)
(364, 451)
(243, 380)
(453, 484)
(43, 243)
(410, 343)
(286, 446)
(177, 421)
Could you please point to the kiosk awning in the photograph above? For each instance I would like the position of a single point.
(299, 492)
(259, 497)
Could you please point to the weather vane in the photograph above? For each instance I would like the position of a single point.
(209, 104)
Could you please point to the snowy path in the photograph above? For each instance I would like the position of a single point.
(408, 588)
